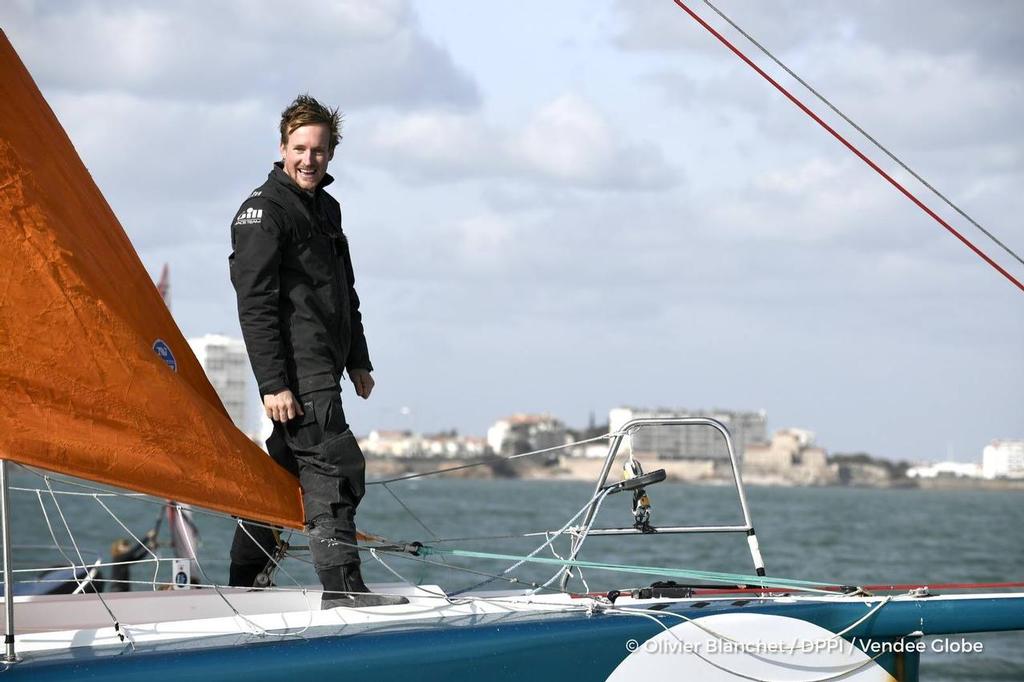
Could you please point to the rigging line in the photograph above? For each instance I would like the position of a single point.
(49, 526)
(411, 513)
(729, 578)
(860, 130)
(406, 555)
(138, 497)
(576, 541)
(121, 631)
(513, 580)
(101, 564)
(274, 561)
(492, 460)
(441, 595)
(74, 494)
(477, 538)
(550, 538)
(147, 499)
(455, 567)
(156, 567)
(874, 166)
(259, 631)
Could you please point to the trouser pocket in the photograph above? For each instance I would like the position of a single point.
(333, 482)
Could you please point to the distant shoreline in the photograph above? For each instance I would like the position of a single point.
(588, 469)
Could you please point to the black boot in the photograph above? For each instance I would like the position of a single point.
(344, 586)
(243, 575)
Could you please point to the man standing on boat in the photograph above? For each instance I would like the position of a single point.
(299, 312)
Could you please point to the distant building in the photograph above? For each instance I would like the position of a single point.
(408, 444)
(524, 433)
(1003, 459)
(227, 366)
(946, 470)
(791, 456)
(391, 443)
(788, 448)
(451, 445)
(692, 442)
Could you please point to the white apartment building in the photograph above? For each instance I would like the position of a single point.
(227, 367)
(692, 442)
(946, 469)
(1003, 459)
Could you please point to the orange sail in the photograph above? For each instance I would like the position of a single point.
(95, 377)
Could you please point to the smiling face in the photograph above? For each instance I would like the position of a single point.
(306, 155)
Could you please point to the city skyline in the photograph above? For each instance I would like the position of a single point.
(223, 359)
(621, 213)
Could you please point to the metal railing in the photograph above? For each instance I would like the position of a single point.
(586, 529)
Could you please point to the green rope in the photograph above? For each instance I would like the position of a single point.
(714, 576)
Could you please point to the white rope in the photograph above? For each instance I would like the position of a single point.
(373, 553)
(156, 568)
(122, 631)
(96, 564)
(269, 556)
(492, 460)
(259, 631)
(577, 543)
(547, 543)
(72, 493)
(60, 549)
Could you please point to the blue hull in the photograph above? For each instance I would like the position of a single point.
(536, 647)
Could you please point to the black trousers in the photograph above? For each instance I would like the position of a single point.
(319, 448)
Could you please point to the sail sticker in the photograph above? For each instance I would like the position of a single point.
(161, 348)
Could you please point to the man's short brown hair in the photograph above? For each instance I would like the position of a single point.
(306, 111)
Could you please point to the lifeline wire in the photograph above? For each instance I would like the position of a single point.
(156, 567)
(497, 601)
(846, 143)
(717, 577)
(122, 632)
(485, 462)
(259, 630)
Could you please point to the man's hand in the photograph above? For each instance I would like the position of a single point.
(363, 382)
(282, 406)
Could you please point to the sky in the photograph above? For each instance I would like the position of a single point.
(567, 207)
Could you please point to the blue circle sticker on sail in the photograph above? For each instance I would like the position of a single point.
(161, 348)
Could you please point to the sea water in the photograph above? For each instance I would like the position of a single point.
(837, 535)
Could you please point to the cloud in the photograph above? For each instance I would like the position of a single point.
(352, 53)
(944, 96)
(615, 217)
(956, 74)
(566, 142)
(939, 28)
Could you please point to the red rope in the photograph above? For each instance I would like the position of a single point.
(849, 146)
(905, 587)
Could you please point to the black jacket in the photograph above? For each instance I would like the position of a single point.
(297, 302)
